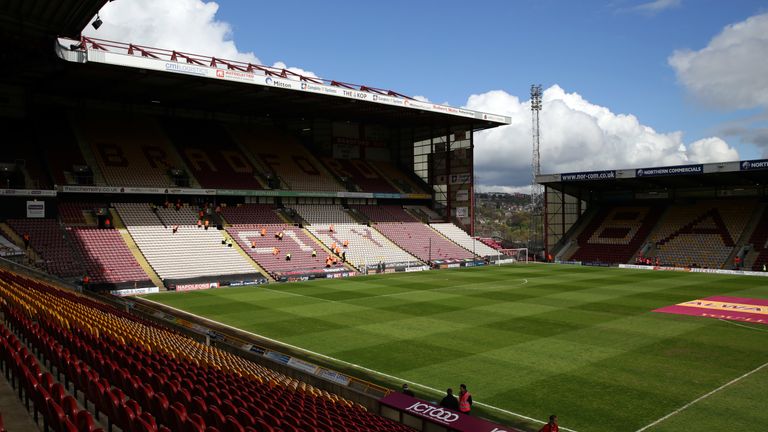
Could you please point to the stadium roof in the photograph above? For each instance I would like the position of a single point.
(173, 80)
(736, 175)
(138, 74)
(48, 18)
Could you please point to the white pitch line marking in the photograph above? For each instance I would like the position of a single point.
(461, 287)
(357, 366)
(700, 398)
(742, 325)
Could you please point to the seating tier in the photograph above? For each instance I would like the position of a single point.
(460, 237)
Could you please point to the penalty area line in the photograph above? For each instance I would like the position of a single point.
(344, 362)
(702, 397)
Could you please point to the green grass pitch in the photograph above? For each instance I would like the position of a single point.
(531, 339)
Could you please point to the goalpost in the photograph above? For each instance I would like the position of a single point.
(513, 256)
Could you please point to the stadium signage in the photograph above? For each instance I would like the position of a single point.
(670, 171)
(588, 175)
(751, 165)
(27, 192)
(441, 416)
(259, 78)
(187, 69)
(134, 291)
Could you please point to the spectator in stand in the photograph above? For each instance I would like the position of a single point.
(331, 228)
(450, 401)
(346, 243)
(178, 204)
(253, 244)
(288, 256)
(408, 391)
(25, 237)
(314, 253)
(86, 281)
(658, 262)
(275, 251)
(207, 224)
(107, 223)
(175, 229)
(465, 400)
(199, 223)
(263, 232)
(551, 425)
(344, 257)
(166, 204)
(737, 262)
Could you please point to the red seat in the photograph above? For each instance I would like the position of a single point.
(84, 422)
(69, 405)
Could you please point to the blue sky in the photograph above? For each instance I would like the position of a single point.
(601, 54)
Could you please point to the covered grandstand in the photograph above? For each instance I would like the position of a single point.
(701, 215)
(132, 169)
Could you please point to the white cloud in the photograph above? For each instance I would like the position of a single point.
(712, 149)
(576, 136)
(300, 71)
(185, 25)
(657, 6)
(421, 98)
(731, 71)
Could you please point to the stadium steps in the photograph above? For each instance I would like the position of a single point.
(325, 249)
(255, 162)
(15, 416)
(140, 257)
(16, 239)
(90, 159)
(281, 214)
(247, 257)
(117, 221)
(22, 420)
(385, 177)
(418, 215)
(575, 231)
(746, 235)
(653, 250)
(90, 219)
(449, 239)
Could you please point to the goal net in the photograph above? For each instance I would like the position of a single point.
(513, 255)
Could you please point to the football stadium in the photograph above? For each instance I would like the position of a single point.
(191, 243)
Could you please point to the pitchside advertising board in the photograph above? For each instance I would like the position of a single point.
(453, 420)
(258, 78)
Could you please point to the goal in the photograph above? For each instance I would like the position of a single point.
(513, 255)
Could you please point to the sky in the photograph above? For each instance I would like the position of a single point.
(628, 83)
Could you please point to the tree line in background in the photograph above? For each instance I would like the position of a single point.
(503, 216)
